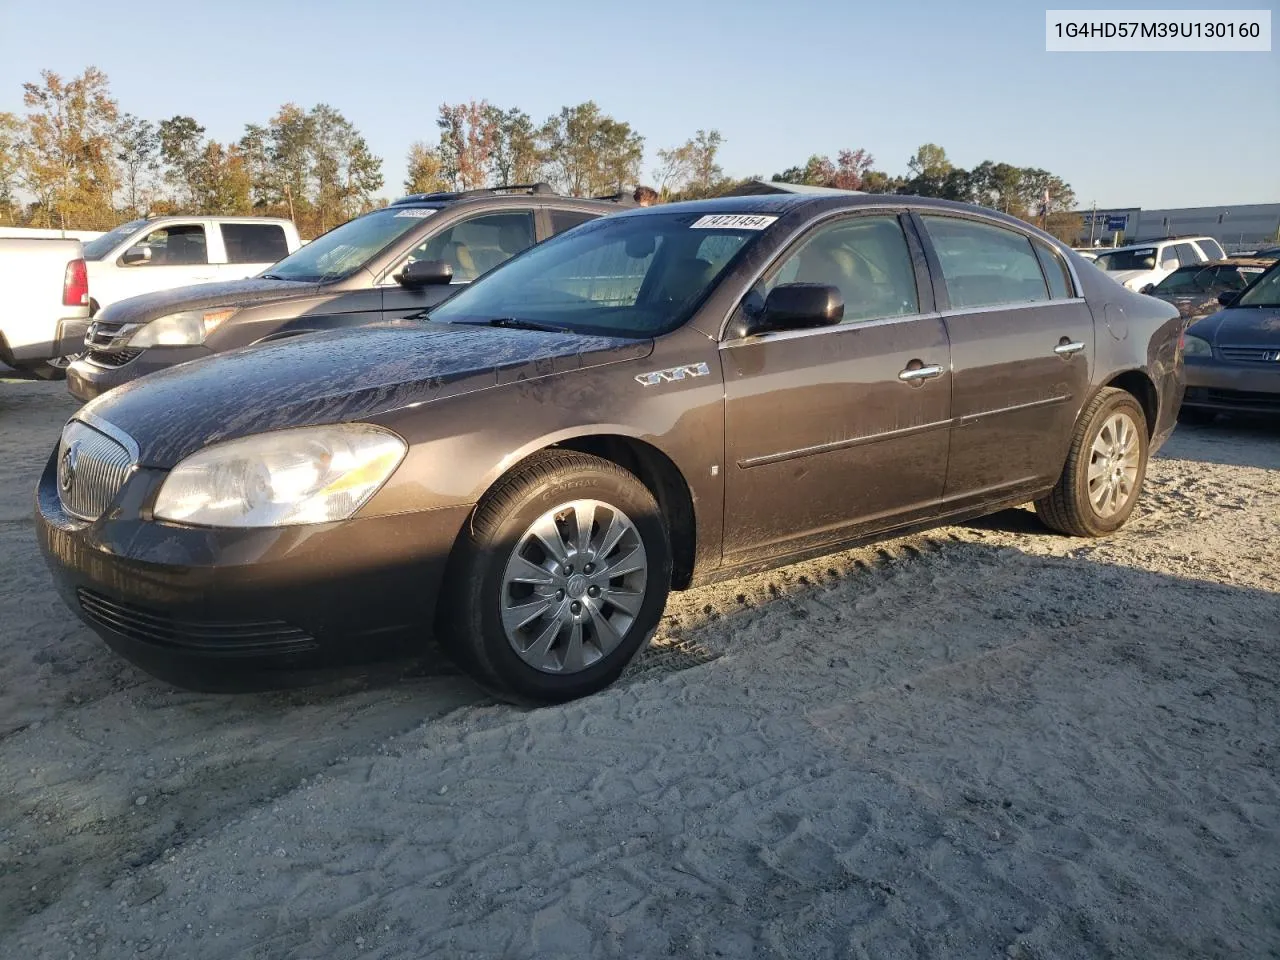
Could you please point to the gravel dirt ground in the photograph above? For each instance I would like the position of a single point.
(985, 741)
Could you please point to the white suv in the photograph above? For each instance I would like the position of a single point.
(1139, 264)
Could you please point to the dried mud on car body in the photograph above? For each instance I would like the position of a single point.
(981, 741)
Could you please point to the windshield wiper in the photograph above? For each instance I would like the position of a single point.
(272, 276)
(515, 323)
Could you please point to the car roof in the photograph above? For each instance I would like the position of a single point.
(518, 194)
(779, 204)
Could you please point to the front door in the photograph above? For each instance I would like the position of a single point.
(839, 431)
(1021, 349)
(179, 257)
(472, 247)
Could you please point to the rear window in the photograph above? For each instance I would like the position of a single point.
(263, 243)
(1140, 258)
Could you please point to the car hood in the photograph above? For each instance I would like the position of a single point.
(334, 377)
(203, 296)
(1240, 326)
(1124, 276)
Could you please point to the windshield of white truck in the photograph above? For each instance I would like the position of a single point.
(349, 247)
(99, 247)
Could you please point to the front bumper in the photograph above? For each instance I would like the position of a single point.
(225, 608)
(1214, 384)
(90, 377)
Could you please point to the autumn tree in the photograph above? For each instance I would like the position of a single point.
(426, 170)
(589, 153)
(182, 149)
(692, 170)
(468, 134)
(10, 166)
(514, 157)
(138, 151)
(67, 147)
(346, 173)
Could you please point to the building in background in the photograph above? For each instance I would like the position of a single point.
(1240, 227)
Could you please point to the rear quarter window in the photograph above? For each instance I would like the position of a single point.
(562, 220)
(254, 242)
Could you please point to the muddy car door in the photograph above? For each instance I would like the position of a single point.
(469, 247)
(1022, 347)
(837, 430)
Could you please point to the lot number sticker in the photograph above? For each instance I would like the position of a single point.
(415, 213)
(739, 221)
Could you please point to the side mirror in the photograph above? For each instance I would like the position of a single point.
(140, 253)
(424, 273)
(1228, 298)
(796, 306)
(1149, 288)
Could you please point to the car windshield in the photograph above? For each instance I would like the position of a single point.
(347, 248)
(1264, 292)
(99, 247)
(1140, 259)
(630, 276)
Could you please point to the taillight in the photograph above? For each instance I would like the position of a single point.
(75, 285)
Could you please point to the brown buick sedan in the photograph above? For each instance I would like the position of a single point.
(650, 401)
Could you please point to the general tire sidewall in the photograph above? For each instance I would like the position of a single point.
(1103, 525)
(489, 563)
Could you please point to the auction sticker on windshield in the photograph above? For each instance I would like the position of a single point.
(740, 221)
(415, 213)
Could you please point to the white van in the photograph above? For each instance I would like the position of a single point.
(161, 253)
(1139, 264)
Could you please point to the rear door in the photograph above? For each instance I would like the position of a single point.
(472, 247)
(251, 248)
(1022, 347)
(834, 432)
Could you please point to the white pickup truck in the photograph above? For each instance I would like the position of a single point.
(161, 253)
(44, 304)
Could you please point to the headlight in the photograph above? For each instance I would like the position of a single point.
(290, 477)
(1193, 346)
(184, 329)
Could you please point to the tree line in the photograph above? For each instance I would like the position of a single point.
(74, 160)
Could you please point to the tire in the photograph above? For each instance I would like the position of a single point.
(1069, 508)
(49, 370)
(558, 492)
(1196, 416)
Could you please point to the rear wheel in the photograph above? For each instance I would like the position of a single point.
(559, 581)
(1107, 462)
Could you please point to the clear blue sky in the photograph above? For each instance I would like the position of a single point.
(779, 80)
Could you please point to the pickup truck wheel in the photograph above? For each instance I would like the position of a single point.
(558, 581)
(1102, 478)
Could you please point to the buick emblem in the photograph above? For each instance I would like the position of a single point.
(67, 467)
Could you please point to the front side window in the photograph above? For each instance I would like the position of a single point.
(254, 242)
(628, 276)
(347, 248)
(985, 265)
(866, 258)
(181, 245)
(476, 246)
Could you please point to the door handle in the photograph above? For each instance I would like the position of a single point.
(1067, 347)
(919, 372)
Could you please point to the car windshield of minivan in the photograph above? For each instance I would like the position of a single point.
(629, 276)
(1144, 259)
(99, 247)
(347, 248)
(1265, 291)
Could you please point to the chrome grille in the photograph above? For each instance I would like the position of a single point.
(92, 467)
(117, 359)
(105, 335)
(1250, 354)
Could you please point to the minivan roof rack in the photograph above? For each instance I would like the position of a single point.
(537, 189)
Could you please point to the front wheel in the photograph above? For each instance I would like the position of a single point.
(559, 580)
(1105, 467)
